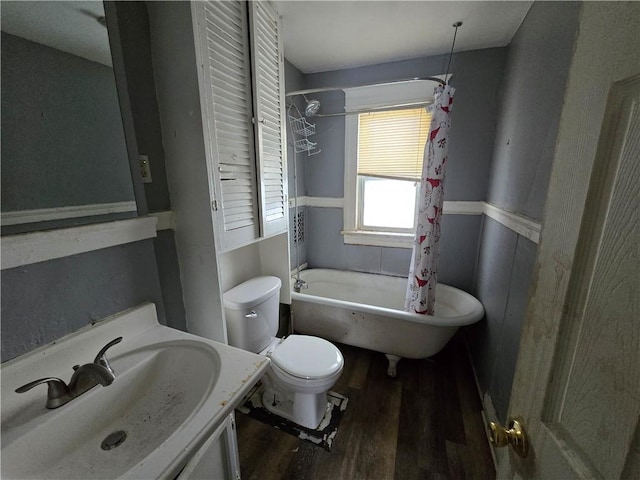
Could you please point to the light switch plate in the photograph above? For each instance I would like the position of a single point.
(145, 168)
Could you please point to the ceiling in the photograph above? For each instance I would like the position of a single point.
(72, 27)
(330, 35)
(318, 35)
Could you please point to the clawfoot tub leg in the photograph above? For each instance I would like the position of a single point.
(393, 363)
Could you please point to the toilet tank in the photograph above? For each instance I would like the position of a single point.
(251, 310)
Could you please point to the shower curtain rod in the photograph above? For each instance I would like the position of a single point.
(403, 106)
(328, 89)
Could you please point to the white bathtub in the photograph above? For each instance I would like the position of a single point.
(366, 310)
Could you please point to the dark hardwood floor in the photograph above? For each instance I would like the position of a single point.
(424, 424)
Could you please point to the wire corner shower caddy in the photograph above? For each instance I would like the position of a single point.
(302, 128)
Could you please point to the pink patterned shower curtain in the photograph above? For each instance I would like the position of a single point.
(423, 273)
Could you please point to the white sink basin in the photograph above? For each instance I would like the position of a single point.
(170, 393)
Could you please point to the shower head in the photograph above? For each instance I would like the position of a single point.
(311, 108)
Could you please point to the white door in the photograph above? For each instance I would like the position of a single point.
(223, 50)
(577, 383)
(268, 87)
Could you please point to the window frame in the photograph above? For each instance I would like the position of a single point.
(363, 98)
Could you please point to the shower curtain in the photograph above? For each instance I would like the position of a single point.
(423, 272)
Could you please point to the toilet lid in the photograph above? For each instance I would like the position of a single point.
(307, 357)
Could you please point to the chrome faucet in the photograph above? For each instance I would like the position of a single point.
(299, 285)
(84, 378)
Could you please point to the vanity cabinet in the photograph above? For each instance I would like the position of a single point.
(217, 458)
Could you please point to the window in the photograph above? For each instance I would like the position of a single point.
(390, 153)
(383, 163)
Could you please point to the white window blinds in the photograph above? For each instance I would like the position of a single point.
(391, 143)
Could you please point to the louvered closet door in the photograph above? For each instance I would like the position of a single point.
(268, 71)
(229, 109)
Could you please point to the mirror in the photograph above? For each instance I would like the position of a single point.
(64, 158)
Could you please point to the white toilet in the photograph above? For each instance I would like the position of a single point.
(303, 368)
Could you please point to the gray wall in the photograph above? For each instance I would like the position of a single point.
(536, 75)
(535, 78)
(505, 266)
(477, 76)
(136, 42)
(326, 249)
(136, 48)
(45, 301)
(324, 172)
(62, 137)
(294, 80)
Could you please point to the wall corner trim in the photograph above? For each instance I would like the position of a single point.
(28, 248)
(166, 219)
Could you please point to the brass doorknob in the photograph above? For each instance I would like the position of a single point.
(514, 436)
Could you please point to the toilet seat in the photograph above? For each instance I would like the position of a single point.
(307, 357)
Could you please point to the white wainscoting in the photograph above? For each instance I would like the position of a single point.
(520, 224)
(28, 248)
(60, 213)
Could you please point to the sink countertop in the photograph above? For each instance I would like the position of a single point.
(213, 395)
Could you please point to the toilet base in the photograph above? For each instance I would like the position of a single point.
(306, 409)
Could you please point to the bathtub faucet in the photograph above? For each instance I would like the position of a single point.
(299, 285)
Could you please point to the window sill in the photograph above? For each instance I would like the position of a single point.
(378, 239)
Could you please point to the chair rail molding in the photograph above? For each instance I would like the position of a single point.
(520, 224)
(61, 213)
(28, 248)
